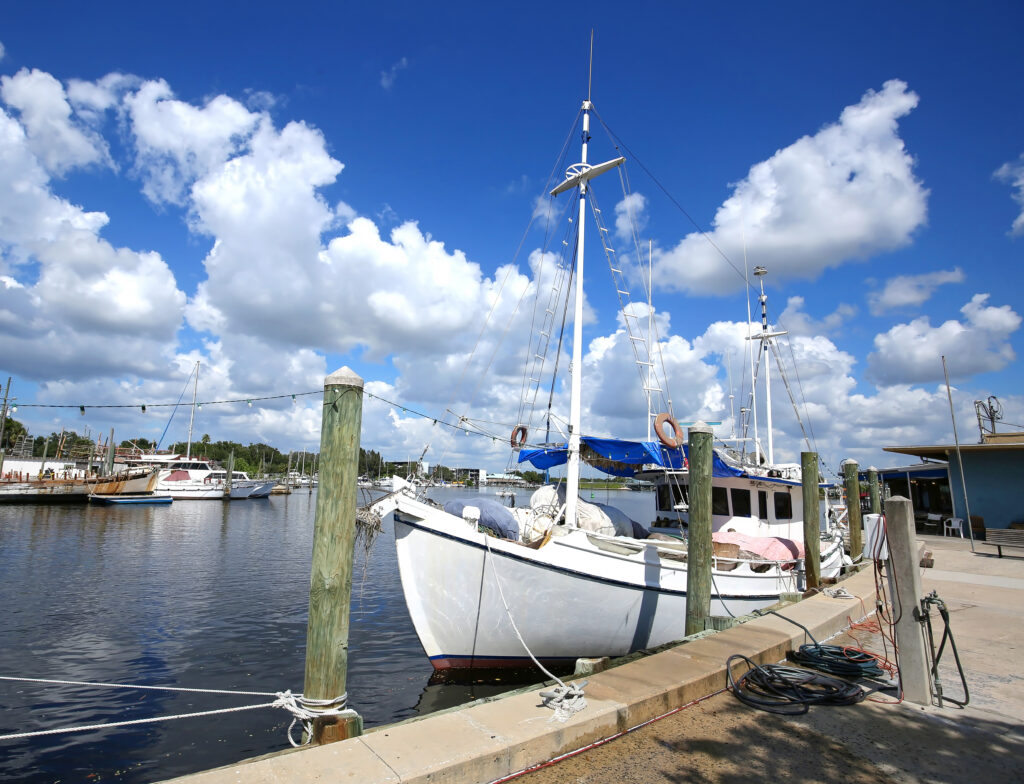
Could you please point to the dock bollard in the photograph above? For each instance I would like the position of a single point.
(334, 531)
(699, 548)
(812, 522)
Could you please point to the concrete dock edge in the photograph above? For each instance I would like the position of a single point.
(484, 742)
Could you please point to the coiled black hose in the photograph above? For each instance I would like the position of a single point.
(788, 691)
(834, 659)
(837, 660)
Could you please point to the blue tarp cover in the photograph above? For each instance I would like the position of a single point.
(627, 457)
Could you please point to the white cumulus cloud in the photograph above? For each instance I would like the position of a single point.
(845, 193)
(911, 291)
(798, 322)
(1013, 173)
(54, 137)
(72, 305)
(911, 353)
(178, 143)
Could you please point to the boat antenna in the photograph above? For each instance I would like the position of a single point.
(590, 71)
(750, 338)
(192, 416)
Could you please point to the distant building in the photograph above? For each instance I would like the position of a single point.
(993, 472)
(511, 480)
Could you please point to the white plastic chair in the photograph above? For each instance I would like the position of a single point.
(951, 524)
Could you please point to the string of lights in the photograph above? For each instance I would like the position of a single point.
(464, 424)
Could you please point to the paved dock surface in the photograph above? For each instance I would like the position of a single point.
(718, 739)
(721, 740)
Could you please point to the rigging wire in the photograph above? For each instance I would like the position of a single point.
(619, 144)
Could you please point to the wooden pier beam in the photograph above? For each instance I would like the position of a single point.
(699, 547)
(876, 502)
(334, 534)
(812, 518)
(853, 515)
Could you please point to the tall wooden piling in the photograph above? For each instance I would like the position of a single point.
(812, 518)
(853, 515)
(699, 547)
(915, 678)
(876, 501)
(334, 533)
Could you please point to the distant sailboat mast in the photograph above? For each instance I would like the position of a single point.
(192, 416)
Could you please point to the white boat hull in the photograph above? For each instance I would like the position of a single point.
(569, 599)
(190, 490)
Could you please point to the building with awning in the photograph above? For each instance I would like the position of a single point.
(926, 484)
(993, 472)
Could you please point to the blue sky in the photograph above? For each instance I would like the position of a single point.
(277, 192)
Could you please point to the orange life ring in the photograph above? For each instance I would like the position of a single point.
(677, 432)
(518, 436)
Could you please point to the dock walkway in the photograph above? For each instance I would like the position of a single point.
(719, 740)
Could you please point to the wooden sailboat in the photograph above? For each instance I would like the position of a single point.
(493, 589)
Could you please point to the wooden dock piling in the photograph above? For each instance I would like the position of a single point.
(334, 533)
(876, 502)
(812, 521)
(853, 515)
(699, 546)
(915, 678)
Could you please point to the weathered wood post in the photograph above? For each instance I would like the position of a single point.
(812, 518)
(334, 534)
(914, 673)
(876, 503)
(699, 546)
(229, 476)
(853, 516)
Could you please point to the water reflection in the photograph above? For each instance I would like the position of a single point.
(197, 594)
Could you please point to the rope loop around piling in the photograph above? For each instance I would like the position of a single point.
(305, 710)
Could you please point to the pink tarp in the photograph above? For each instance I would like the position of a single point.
(771, 548)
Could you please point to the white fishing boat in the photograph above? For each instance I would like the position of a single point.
(242, 486)
(560, 578)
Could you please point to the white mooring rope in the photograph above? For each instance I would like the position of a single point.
(303, 709)
(564, 699)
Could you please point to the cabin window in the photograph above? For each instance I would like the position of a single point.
(762, 504)
(740, 502)
(783, 506)
(719, 501)
(671, 495)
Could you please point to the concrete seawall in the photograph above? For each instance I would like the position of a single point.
(485, 742)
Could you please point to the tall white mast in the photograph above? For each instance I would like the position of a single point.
(650, 330)
(192, 416)
(766, 337)
(577, 176)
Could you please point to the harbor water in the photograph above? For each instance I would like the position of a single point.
(196, 594)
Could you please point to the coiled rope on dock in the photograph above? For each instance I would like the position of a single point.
(303, 709)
